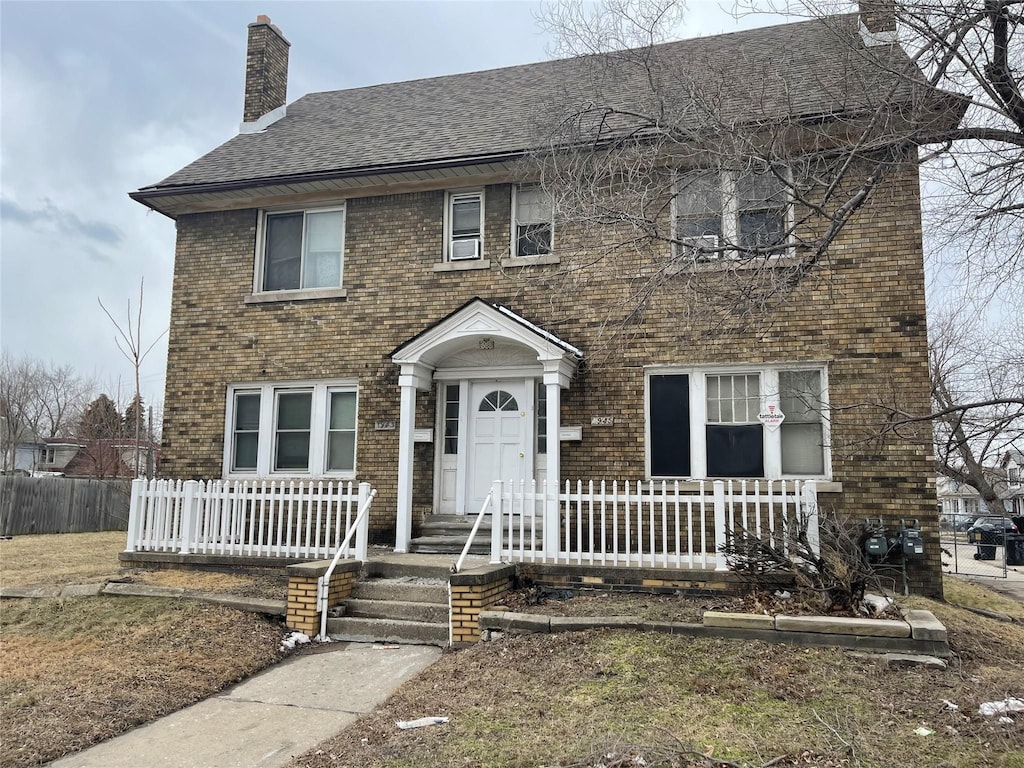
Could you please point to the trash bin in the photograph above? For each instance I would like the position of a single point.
(1015, 550)
(985, 552)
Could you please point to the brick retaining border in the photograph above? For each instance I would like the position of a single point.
(302, 611)
(470, 593)
(921, 633)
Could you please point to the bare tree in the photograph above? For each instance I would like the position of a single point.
(129, 343)
(37, 401)
(19, 403)
(977, 378)
(697, 159)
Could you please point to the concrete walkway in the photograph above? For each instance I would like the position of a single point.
(268, 719)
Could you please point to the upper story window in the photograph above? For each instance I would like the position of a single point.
(532, 215)
(291, 429)
(303, 250)
(464, 225)
(758, 422)
(741, 214)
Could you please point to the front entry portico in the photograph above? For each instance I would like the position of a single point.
(498, 412)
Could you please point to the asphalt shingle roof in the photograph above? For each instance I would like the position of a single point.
(803, 69)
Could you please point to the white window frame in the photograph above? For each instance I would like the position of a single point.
(261, 248)
(730, 213)
(771, 438)
(450, 198)
(319, 428)
(514, 233)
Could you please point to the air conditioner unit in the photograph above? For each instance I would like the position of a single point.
(460, 250)
(703, 246)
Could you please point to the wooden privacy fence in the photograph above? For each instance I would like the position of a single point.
(253, 518)
(61, 505)
(646, 524)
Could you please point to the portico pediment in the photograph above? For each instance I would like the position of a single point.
(481, 334)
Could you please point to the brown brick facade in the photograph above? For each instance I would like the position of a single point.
(863, 315)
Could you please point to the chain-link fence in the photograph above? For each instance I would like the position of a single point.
(981, 545)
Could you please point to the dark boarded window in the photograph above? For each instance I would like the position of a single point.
(670, 425)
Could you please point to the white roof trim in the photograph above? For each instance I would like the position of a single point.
(540, 331)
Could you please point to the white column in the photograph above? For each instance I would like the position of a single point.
(553, 391)
(406, 442)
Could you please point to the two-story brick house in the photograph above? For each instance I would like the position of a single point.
(359, 293)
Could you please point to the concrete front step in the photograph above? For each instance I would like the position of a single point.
(363, 630)
(450, 545)
(401, 610)
(404, 590)
(417, 566)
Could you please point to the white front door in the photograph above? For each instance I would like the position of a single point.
(498, 432)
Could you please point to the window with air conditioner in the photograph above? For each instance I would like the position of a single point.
(464, 220)
(731, 214)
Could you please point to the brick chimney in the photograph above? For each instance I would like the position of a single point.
(878, 15)
(266, 70)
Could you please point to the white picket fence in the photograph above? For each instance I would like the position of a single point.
(645, 524)
(257, 519)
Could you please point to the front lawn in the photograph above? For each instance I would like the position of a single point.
(603, 698)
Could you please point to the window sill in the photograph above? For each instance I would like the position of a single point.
(461, 266)
(301, 476)
(732, 263)
(686, 484)
(269, 297)
(528, 261)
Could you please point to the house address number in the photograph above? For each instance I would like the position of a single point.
(602, 421)
(385, 425)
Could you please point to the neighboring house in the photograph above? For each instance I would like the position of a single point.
(94, 459)
(958, 503)
(347, 303)
(1012, 465)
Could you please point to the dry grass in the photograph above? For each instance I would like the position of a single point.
(59, 559)
(84, 558)
(960, 592)
(79, 671)
(576, 699)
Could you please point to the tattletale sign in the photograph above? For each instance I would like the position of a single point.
(771, 416)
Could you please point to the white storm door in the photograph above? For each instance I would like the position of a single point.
(498, 430)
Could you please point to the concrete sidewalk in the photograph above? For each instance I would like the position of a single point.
(268, 719)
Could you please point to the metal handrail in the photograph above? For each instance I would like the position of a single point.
(323, 584)
(457, 568)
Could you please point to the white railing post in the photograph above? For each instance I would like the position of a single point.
(363, 529)
(189, 515)
(810, 498)
(497, 523)
(720, 530)
(135, 514)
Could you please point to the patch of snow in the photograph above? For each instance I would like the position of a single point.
(1009, 704)
(295, 638)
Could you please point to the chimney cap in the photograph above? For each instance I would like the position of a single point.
(262, 19)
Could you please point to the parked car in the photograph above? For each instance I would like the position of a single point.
(991, 530)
